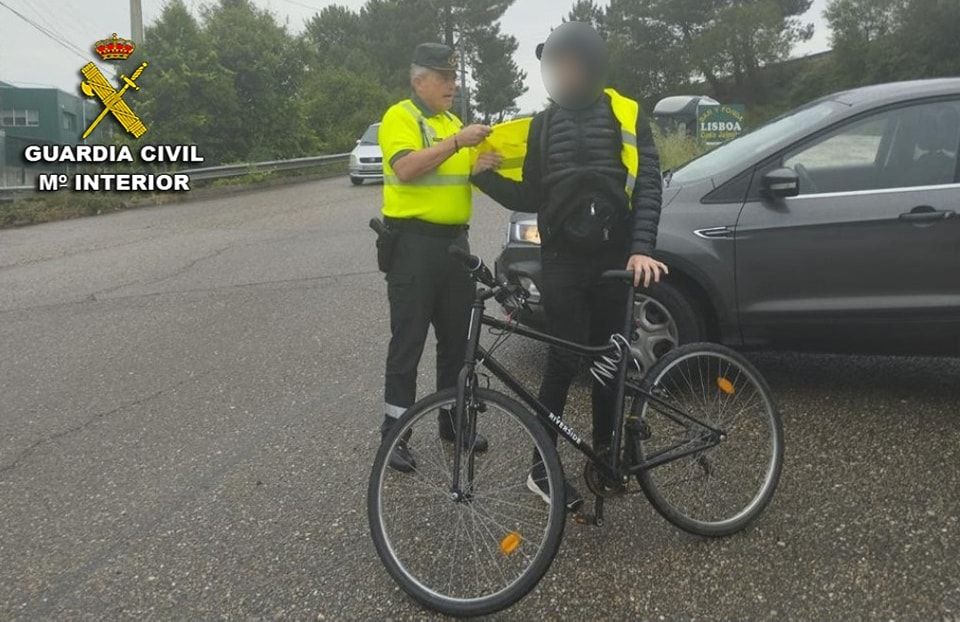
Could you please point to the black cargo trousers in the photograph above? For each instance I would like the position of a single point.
(425, 286)
(580, 307)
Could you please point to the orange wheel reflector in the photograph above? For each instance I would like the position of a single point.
(510, 543)
(725, 385)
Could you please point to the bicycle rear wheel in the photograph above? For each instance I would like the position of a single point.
(717, 491)
(484, 551)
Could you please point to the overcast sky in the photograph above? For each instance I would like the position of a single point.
(28, 58)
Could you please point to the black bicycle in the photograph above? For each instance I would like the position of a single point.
(462, 534)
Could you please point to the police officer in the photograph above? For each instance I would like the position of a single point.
(426, 208)
(591, 173)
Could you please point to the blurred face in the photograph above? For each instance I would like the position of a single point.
(565, 77)
(436, 89)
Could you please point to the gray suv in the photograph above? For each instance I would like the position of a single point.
(833, 227)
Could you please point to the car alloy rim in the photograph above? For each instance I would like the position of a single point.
(656, 331)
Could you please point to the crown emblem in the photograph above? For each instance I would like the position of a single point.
(114, 48)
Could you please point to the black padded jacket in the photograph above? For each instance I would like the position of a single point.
(546, 197)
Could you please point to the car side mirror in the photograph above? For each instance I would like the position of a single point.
(781, 183)
(358, 141)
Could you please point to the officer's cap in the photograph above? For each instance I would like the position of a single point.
(436, 56)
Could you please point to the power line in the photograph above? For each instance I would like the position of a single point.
(71, 24)
(70, 47)
(304, 5)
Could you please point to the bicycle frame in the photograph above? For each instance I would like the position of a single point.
(477, 355)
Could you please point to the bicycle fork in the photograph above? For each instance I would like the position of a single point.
(466, 378)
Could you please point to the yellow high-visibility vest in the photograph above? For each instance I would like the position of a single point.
(442, 196)
(510, 140)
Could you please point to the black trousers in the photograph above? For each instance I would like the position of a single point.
(581, 308)
(425, 286)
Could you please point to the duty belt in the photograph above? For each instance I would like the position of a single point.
(422, 227)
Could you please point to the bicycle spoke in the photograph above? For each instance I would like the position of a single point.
(460, 546)
(692, 484)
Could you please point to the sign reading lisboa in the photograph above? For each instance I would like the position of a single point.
(718, 124)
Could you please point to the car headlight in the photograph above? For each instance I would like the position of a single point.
(354, 161)
(525, 231)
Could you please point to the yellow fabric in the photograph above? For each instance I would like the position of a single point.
(510, 140)
(442, 196)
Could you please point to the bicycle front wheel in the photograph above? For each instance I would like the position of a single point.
(717, 491)
(478, 547)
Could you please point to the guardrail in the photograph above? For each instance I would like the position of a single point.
(9, 193)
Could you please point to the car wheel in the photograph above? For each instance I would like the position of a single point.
(356, 181)
(665, 317)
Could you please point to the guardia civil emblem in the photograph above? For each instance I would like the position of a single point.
(97, 85)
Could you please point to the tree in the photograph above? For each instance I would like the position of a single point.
(189, 96)
(267, 66)
(884, 40)
(680, 39)
(391, 29)
(468, 17)
(332, 35)
(498, 78)
(588, 12)
(743, 37)
(339, 104)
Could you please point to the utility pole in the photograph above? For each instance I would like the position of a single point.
(136, 21)
(464, 95)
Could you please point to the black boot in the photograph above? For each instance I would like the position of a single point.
(401, 458)
(448, 433)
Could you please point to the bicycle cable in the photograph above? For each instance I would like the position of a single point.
(604, 368)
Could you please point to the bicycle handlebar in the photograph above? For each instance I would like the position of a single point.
(474, 266)
(617, 275)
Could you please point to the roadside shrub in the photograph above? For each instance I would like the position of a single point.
(676, 148)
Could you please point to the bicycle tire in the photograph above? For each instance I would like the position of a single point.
(759, 503)
(431, 598)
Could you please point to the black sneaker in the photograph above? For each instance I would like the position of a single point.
(401, 458)
(538, 485)
(447, 433)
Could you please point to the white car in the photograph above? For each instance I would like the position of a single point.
(366, 159)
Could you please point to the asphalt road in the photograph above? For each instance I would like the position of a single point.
(189, 402)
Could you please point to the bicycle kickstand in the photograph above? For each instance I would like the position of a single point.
(595, 519)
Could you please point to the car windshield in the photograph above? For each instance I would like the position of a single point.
(782, 129)
(370, 136)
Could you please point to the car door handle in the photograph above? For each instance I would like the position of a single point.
(925, 213)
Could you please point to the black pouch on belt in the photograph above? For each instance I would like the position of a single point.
(386, 241)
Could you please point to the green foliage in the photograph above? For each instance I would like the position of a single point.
(588, 12)
(659, 45)
(338, 105)
(676, 148)
(885, 40)
(498, 78)
(236, 82)
(265, 64)
(59, 206)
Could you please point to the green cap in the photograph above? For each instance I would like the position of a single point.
(436, 56)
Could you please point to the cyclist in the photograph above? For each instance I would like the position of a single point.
(592, 175)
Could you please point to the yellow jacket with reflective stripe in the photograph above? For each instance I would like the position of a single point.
(510, 140)
(442, 196)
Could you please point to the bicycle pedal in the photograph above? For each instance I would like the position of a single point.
(587, 519)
